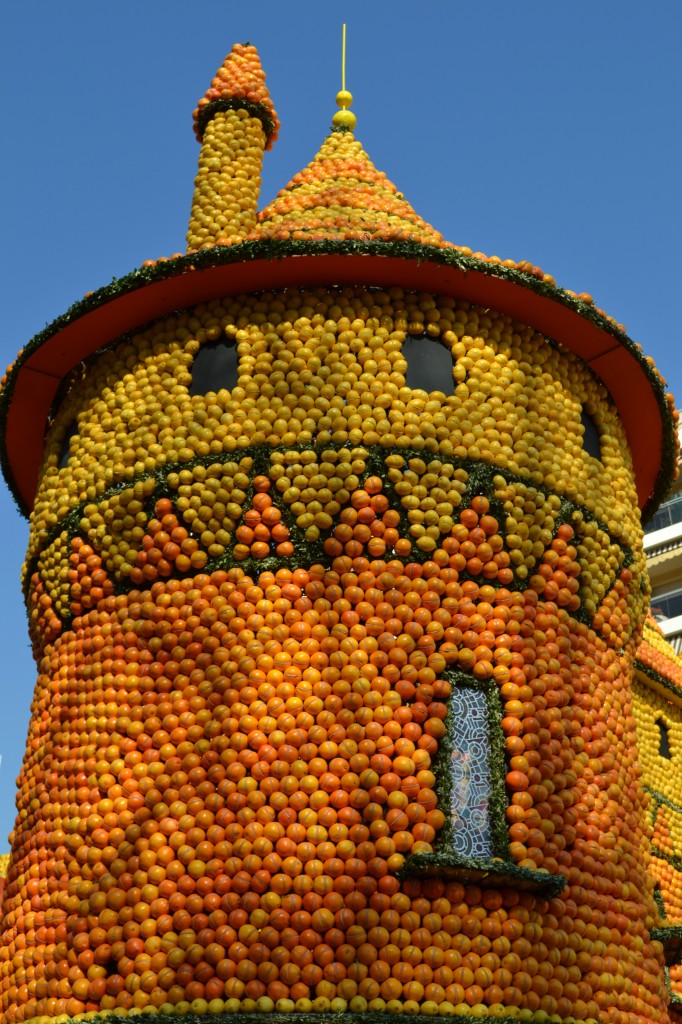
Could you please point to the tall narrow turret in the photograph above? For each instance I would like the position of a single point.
(235, 122)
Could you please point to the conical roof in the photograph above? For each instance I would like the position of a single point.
(341, 195)
(240, 80)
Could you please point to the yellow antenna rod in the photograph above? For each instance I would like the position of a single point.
(343, 60)
(344, 118)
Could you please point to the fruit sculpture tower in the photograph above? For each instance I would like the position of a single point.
(335, 583)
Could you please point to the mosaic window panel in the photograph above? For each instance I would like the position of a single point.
(470, 774)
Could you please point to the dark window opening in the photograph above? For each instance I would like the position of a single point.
(215, 368)
(591, 441)
(429, 365)
(664, 739)
(65, 450)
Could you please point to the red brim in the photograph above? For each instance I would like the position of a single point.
(38, 378)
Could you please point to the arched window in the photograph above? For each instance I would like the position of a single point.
(215, 368)
(65, 450)
(591, 439)
(429, 365)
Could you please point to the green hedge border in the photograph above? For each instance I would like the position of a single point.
(655, 677)
(274, 249)
(313, 1017)
(258, 110)
(484, 873)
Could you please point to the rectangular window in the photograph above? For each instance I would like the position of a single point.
(667, 606)
(470, 769)
(470, 774)
(667, 515)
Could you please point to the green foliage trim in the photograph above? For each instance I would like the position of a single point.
(655, 677)
(303, 1017)
(480, 872)
(658, 900)
(658, 799)
(675, 1003)
(258, 110)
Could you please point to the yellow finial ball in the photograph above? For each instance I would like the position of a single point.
(344, 98)
(344, 119)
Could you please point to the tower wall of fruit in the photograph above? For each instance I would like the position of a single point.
(334, 706)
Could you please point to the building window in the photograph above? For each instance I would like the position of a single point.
(215, 368)
(65, 450)
(663, 739)
(667, 515)
(591, 441)
(429, 365)
(667, 606)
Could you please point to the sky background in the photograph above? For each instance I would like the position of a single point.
(539, 131)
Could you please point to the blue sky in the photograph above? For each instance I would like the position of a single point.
(546, 132)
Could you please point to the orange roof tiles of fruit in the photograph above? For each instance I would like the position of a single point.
(240, 77)
(341, 195)
(657, 660)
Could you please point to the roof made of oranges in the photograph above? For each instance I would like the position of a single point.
(238, 81)
(657, 660)
(341, 195)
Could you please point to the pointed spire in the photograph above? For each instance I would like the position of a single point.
(239, 83)
(235, 122)
(341, 195)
